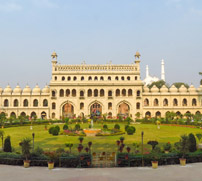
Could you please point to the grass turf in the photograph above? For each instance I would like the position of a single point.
(108, 144)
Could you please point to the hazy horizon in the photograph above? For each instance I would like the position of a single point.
(98, 32)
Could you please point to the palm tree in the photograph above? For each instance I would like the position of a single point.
(2, 138)
(26, 147)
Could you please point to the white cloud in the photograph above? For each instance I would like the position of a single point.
(10, 7)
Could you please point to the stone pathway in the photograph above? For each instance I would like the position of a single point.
(191, 172)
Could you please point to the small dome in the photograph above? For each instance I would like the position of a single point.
(36, 89)
(163, 89)
(200, 89)
(154, 89)
(173, 89)
(54, 55)
(1, 90)
(182, 89)
(17, 89)
(192, 89)
(27, 89)
(145, 88)
(46, 89)
(8, 89)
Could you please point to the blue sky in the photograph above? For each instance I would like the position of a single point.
(98, 31)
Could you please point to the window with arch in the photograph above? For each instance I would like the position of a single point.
(130, 92)
(67, 93)
(148, 114)
(124, 92)
(81, 106)
(146, 102)
(68, 78)
(109, 93)
(63, 78)
(53, 105)
(116, 78)
(53, 93)
(102, 93)
(128, 78)
(138, 93)
(25, 103)
(194, 102)
(90, 78)
(81, 93)
(15, 103)
(89, 93)
(110, 106)
(101, 78)
(73, 93)
(156, 102)
(96, 78)
(175, 102)
(95, 93)
(109, 78)
(135, 77)
(122, 78)
(6, 103)
(137, 105)
(45, 103)
(75, 78)
(117, 93)
(35, 103)
(82, 78)
(158, 114)
(61, 93)
(56, 78)
(165, 102)
(184, 102)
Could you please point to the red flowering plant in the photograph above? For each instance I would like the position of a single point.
(167, 146)
(52, 156)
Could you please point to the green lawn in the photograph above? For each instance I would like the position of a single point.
(108, 144)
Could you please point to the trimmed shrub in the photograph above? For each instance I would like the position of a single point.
(65, 127)
(58, 128)
(192, 143)
(105, 126)
(77, 127)
(153, 144)
(130, 130)
(55, 131)
(7, 145)
(117, 126)
(50, 130)
(126, 127)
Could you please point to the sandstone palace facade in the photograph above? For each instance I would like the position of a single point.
(84, 90)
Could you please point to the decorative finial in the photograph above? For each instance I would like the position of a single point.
(137, 55)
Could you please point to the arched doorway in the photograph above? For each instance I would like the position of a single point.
(68, 110)
(43, 115)
(124, 110)
(95, 110)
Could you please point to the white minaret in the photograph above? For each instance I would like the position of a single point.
(147, 71)
(162, 70)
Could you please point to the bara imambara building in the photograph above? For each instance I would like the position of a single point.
(84, 90)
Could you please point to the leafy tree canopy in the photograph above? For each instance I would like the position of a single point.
(158, 84)
(179, 84)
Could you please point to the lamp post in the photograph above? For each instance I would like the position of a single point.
(142, 134)
(33, 134)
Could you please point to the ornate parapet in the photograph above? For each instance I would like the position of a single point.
(107, 67)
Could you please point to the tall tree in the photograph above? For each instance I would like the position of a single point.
(158, 84)
(179, 84)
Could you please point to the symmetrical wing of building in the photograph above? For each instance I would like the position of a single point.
(83, 90)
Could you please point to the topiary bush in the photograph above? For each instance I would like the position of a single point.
(7, 145)
(50, 130)
(105, 126)
(58, 128)
(192, 143)
(153, 144)
(126, 127)
(55, 131)
(130, 130)
(77, 127)
(117, 126)
(65, 127)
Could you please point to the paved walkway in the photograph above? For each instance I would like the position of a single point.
(191, 172)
